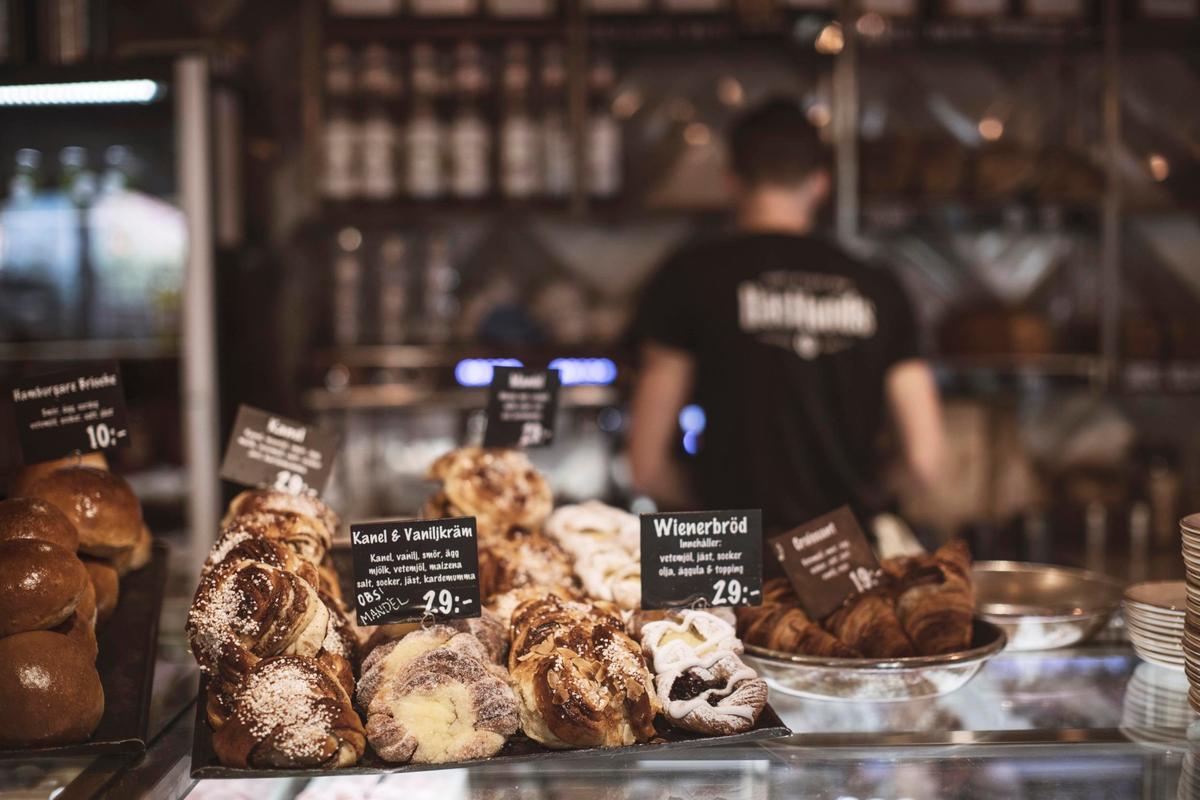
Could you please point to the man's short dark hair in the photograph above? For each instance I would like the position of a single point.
(774, 144)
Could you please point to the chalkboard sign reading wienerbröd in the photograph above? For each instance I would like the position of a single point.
(702, 558)
(407, 569)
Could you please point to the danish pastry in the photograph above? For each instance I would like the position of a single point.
(443, 705)
(702, 684)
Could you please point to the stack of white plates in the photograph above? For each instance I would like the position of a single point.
(1154, 620)
(1156, 711)
(1189, 529)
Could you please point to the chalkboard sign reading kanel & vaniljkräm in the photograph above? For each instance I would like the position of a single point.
(702, 558)
(522, 407)
(269, 450)
(827, 561)
(78, 410)
(409, 569)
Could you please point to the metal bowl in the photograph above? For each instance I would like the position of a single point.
(877, 678)
(1042, 607)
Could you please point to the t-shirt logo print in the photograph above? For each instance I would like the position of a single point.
(809, 313)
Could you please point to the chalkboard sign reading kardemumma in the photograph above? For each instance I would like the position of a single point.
(78, 410)
(706, 558)
(407, 569)
(267, 449)
(522, 407)
(827, 561)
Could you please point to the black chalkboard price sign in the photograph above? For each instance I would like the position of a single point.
(711, 558)
(267, 449)
(522, 407)
(827, 561)
(77, 410)
(406, 570)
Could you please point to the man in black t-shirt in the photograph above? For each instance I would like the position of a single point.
(795, 351)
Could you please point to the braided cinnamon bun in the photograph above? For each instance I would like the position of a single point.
(290, 714)
(247, 610)
(254, 500)
(580, 680)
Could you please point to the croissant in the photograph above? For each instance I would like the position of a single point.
(868, 624)
(580, 680)
(789, 630)
(935, 600)
(290, 714)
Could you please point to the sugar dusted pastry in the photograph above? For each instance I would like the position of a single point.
(254, 500)
(500, 488)
(247, 610)
(389, 658)
(442, 706)
(701, 682)
(290, 714)
(504, 604)
(580, 680)
(582, 528)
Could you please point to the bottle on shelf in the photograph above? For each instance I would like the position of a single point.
(364, 8)
(347, 288)
(518, 135)
(470, 136)
(440, 300)
(423, 139)
(379, 137)
(393, 290)
(340, 135)
(603, 140)
(557, 162)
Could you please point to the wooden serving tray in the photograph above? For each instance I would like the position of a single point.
(128, 652)
(519, 749)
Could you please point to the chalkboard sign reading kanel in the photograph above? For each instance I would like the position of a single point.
(702, 558)
(408, 569)
(522, 406)
(77, 410)
(269, 450)
(827, 561)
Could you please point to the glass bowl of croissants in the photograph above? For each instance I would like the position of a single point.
(915, 635)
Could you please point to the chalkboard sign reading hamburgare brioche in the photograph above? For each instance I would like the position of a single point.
(407, 569)
(522, 406)
(59, 413)
(827, 560)
(269, 450)
(711, 558)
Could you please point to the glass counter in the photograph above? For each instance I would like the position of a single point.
(1091, 722)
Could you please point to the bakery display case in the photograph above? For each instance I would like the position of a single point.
(436, 189)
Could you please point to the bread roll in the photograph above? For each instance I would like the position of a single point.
(40, 585)
(81, 625)
(33, 473)
(31, 518)
(137, 556)
(103, 508)
(106, 584)
(49, 690)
